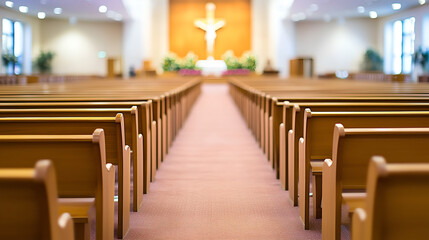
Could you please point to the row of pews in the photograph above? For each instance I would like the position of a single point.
(88, 130)
(356, 144)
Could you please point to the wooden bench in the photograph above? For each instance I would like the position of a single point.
(144, 123)
(393, 209)
(117, 153)
(29, 204)
(344, 177)
(293, 118)
(132, 136)
(82, 173)
(316, 145)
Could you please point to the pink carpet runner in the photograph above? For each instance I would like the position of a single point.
(216, 183)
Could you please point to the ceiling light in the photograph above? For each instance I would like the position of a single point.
(41, 15)
(58, 10)
(373, 14)
(396, 6)
(422, 2)
(360, 9)
(102, 9)
(9, 4)
(23, 9)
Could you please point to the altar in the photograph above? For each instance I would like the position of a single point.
(211, 67)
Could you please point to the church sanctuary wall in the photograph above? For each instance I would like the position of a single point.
(338, 44)
(32, 36)
(76, 46)
(421, 13)
(185, 37)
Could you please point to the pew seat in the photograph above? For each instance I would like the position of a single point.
(347, 171)
(29, 207)
(396, 206)
(81, 167)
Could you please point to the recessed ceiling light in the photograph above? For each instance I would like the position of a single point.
(373, 14)
(102, 9)
(422, 2)
(9, 4)
(396, 6)
(23, 9)
(41, 15)
(58, 10)
(360, 9)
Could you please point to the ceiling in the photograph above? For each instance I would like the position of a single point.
(79, 9)
(300, 9)
(330, 9)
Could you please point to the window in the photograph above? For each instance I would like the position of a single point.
(13, 44)
(403, 45)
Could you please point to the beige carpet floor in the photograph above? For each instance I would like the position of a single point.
(216, 183)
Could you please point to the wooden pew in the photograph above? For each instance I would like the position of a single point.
(83, 176)
(393, 209)
(29, 204)
(132, 136)
(117, 153)
(293, 118)
(344, 177)
(316, 145)
(144, 110)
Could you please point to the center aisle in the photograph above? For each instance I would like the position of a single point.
(216, 183)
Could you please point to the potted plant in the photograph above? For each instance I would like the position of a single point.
(44, 61)
(421, 59)
(243, 66)
(372, 61)
(8, 58)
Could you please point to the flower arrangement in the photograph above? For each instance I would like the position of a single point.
(243, 66)
(185, 66)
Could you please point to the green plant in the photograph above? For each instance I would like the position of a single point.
(248, 61)
(8, 58)
(170, 63)
(44, 61)
(189, 61)
(231, 60)
(372, 61)
(421, 57)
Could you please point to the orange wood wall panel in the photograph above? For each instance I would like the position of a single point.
(185, 37)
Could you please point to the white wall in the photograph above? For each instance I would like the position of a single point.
(32, 36)
(146, 33)
(336, 45)
(76, 46)
(272, 34)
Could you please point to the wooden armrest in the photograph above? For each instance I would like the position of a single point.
(76, 207)
(358, 225)
(316, 167)
(354, 200)
(66, 227)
